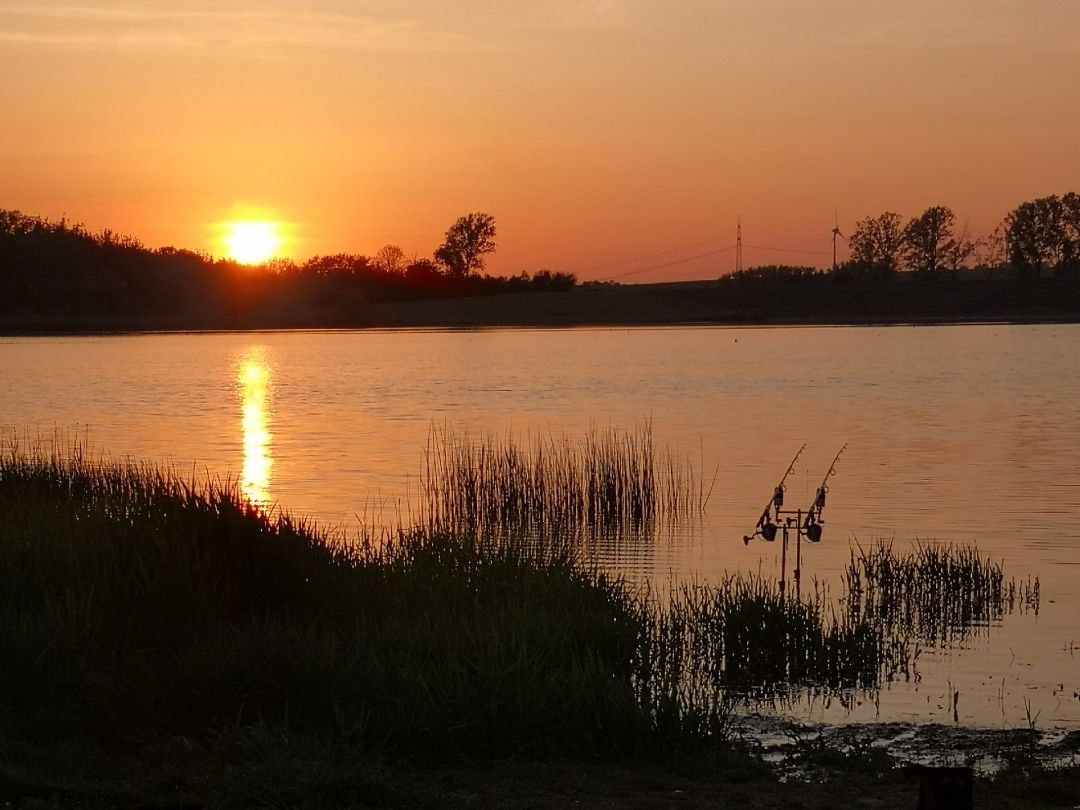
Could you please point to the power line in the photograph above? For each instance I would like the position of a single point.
(790, 250)
(667, 252)
(736, 246)
(670, 264)
(816, 239)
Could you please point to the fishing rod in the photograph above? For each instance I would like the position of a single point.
(812, 526)
(804, 524)
(765, 527)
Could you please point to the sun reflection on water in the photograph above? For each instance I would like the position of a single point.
(254, 383)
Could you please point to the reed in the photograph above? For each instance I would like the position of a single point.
(740, 641)
(133, 601)
(136, 602)
(607, 483)
(938, 594)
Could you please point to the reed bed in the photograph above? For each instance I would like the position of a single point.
(938, 594)
(742, 640)
(136, 602)
(133, 601)
(607, 483)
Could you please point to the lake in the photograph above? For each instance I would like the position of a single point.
(954, 434)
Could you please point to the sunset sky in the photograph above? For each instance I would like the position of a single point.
(604, 135)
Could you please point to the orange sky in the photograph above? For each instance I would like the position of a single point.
(596, 131)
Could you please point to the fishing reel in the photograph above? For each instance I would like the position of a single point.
(765, 528)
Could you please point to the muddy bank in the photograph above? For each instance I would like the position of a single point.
(794, 748)
(844, 767)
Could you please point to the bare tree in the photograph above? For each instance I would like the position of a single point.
(958, 249)
(990, 252)
(390, 259)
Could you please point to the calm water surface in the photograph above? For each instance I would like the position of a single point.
(954, 434)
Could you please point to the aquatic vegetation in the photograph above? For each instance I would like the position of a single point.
(937, 594)
(158, 604)
(134, 601)
(605, 483)
(742, 642)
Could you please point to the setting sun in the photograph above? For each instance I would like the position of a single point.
(252, 242)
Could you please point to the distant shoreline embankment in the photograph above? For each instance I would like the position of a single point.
(817, 301)
(736, 302)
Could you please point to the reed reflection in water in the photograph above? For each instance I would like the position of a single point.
(253, 379)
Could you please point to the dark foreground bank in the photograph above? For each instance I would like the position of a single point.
(268, 766)
(167, 644)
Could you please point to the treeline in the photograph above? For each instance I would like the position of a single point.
(1038, 238)
(58, 275)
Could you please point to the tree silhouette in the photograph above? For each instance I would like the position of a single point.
(877, 242)
(390, 259)
(61, 275)
(468, 241)
(990, 252)
(1070, 259)
(958, 249)
(928, 238)
(1035, 231)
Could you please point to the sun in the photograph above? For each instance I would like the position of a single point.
(252, 242)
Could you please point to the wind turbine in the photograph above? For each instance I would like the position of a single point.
(835, 233)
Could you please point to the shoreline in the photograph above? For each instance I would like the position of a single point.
(820, 302)
(536, 327)
(6, 334)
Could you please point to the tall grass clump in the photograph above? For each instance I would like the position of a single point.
(935, 593)
(605, 483)
(134, 602)
(744, 640)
